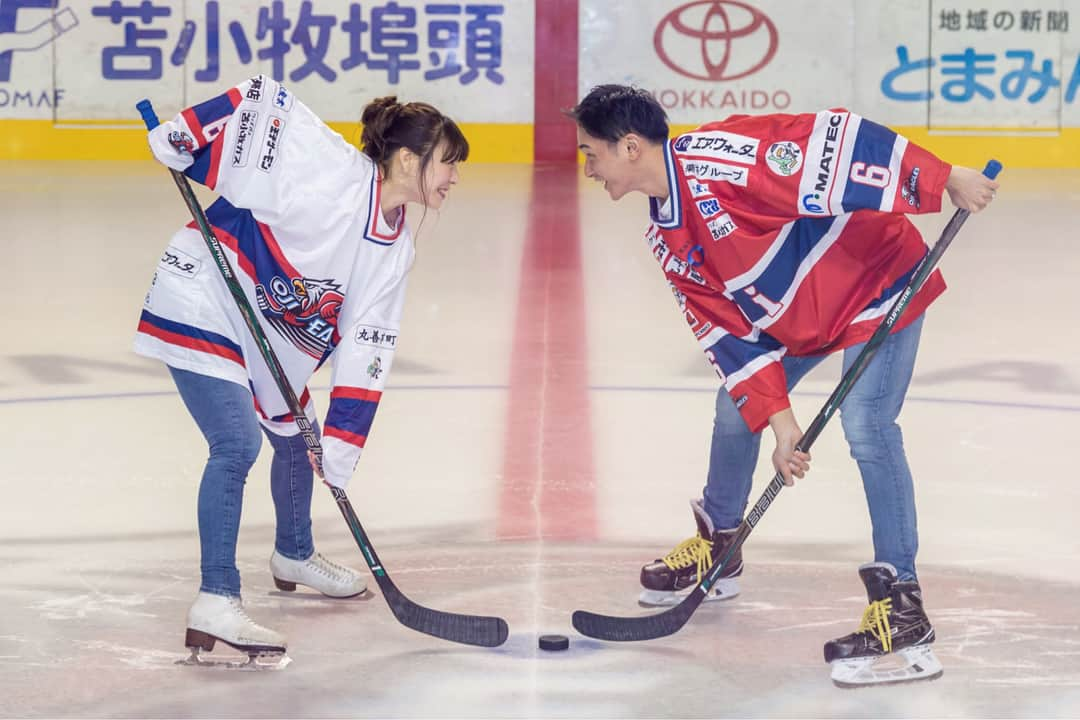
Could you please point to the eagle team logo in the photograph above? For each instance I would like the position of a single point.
(303, 310)
(182, 141)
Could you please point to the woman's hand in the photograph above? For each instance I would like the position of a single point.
(315, 464)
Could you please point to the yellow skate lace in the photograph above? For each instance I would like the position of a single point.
(876, 621)
(695, 551)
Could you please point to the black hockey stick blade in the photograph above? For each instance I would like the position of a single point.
(479, 630)
(644, 627)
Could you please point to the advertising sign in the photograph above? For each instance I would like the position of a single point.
(78, 60)
(990, 64)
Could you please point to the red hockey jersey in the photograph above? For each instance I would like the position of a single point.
(785, 234)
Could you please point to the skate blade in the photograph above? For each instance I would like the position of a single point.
(911, 664)
(725, 589)
(255, 662)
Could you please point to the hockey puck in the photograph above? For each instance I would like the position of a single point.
(554, 642)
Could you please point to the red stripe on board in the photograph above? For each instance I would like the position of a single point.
(548, 485)
(555, 81)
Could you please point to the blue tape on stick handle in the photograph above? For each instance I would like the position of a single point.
(992, 169)
(148, 115)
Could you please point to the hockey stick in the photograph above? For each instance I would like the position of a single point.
(649, 627)
(468, 629)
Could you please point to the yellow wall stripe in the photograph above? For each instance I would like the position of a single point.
(98, 140)
(513, 143)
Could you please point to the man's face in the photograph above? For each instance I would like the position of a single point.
(606, 162)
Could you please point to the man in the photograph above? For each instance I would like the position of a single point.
(783, 239)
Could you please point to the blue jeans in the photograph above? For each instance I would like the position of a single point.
(868, 416)
(225, 413)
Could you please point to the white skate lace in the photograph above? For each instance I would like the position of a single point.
(329, 568)
(238, 605)
(875, 620)
(694, 551)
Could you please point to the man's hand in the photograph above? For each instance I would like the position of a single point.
(788, 461)
(969, 189)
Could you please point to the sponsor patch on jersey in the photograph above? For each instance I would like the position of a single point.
(283, 98)
(148, 301)
(255, 90)
(703, 330)
(715, 171)
(910, 189)
(709, 207)
(680, 296)
(720, 145)
(376, 337)
(721, 227)
(245, 131)
(271, 146)
(676, 265)
(660, 251)
(784, 158)
(698, 189)
(816, 185)
(179, 263)
(811, 203)
(375, 368)
(657, 246)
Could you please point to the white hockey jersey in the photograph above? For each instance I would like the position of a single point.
(300, 220)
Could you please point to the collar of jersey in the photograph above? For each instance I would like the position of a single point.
(673, 194)
(372, 229)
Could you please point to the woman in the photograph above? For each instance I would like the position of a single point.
(316, 232)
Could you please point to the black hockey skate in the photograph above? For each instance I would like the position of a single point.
(668, 579)
(892, 644)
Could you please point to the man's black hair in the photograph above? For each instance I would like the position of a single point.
(611, 111)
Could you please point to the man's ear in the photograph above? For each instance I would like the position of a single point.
(633, 145)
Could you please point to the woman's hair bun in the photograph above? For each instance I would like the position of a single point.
(377, 118)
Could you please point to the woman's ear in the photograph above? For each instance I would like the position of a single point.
(408, 162)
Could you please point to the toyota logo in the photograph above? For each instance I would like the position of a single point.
(721, 32)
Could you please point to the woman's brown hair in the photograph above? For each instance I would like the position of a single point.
(390, 125)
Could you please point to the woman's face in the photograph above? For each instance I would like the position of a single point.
(438, 178)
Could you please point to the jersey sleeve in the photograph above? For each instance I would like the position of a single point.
(263, 150)
(747, 360)
(835, 161)
(361, 364)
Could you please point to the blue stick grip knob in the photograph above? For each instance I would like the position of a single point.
(148, 115)
(992, 169)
